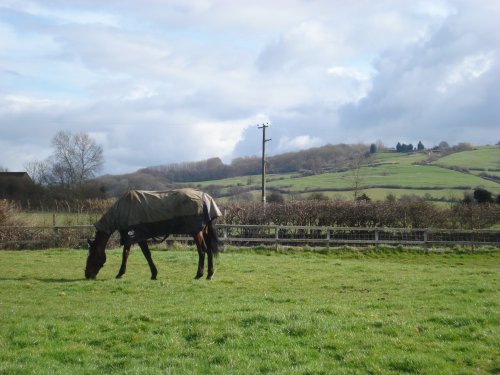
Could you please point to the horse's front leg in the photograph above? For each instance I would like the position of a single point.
(147, 255)
(200, 245)
(123, 268)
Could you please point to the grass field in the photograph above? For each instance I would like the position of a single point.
(483, 158)
(300, 312)
(389, 169)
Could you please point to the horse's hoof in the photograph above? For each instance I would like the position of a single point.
(153, 277)
(197, 277)
(118, 277)
(209, 277)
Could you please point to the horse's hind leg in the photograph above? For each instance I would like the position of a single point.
(210, 253)
(210, 257)
(147, 254)
(123, 268)
(200, 245)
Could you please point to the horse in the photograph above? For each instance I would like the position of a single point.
(140, 216)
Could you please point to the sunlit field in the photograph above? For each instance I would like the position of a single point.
(264, 312)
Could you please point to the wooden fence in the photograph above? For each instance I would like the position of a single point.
(250, 235)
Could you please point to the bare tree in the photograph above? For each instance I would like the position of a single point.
(356, 176)
(38, 171)
(76, 158)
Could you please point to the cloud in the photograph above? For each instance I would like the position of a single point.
(468, 69)
(441, 87)
(186, 80)
(297, 143)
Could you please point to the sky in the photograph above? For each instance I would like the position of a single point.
(169, 81)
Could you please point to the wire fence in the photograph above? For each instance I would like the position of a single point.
(39, 237)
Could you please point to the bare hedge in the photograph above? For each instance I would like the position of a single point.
(399, 214)
(364, 214)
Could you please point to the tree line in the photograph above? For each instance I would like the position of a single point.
(314, 160)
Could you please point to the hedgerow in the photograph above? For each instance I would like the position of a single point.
(417, 214)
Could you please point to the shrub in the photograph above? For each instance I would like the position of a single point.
(9, 213)
(407, 214)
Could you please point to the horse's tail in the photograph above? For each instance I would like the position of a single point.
(211, 238)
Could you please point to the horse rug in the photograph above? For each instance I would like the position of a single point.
(141, 215)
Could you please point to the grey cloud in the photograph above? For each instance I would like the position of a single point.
(435, 89)
(147, 80)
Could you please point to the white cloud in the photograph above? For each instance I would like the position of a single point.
(18, 103)
(348, 73)
(63, 15)
(147, 80)
(468, 69)
(297, 143)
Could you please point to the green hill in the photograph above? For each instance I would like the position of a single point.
(388, 173)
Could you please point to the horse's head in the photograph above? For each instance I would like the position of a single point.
(96, 258)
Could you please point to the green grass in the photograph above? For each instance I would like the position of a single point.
(409, 176)
(276, 313)
(399, 158)
(483, 158)
(389, 169)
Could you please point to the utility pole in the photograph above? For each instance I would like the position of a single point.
(264, 140)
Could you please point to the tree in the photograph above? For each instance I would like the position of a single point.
(317, 196)
(76, 158)
(356, 176)
(373, 148)
(420, 146)
(483, 196)
(38, 171)
(275, 197)
(363, 197)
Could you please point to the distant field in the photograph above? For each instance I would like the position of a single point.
(389, 170)
(484, 158)
(399, 158)
(294, 313)
(410, 176)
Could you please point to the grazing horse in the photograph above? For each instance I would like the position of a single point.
(140, 216)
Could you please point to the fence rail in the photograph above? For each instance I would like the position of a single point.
(74, 236)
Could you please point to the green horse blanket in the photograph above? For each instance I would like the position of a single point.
(141, 215)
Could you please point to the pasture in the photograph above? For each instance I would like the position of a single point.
(484, 158)
(265, 312)
(390, 173)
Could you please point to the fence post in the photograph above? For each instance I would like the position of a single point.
(426, 239)
(376, 239)
(224, 239)
(54, 229)
(276, 236)
(328, 239)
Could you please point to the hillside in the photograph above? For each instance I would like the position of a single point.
(388, 173)
(328, 171)
(312, 161)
